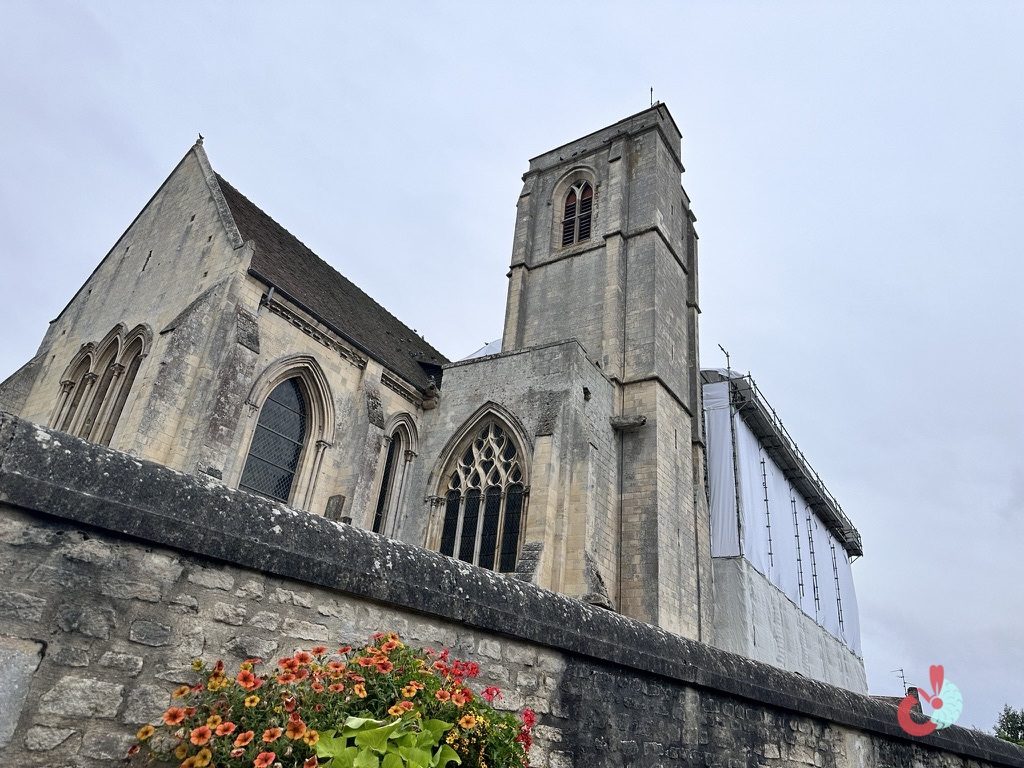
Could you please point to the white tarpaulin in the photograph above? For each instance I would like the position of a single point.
(771, 525)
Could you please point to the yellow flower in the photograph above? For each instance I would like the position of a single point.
(360, 690)
(396, 711)
(180, 751)
(467, 721)
(252, 701)
(145, 732)
(203, 758)
(180, 691)
(213, 721)
(197, 664)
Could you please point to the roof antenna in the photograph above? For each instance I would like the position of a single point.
(903, 678)
(199, 141)
(652, 95)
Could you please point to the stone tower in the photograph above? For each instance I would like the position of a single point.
(605, 252)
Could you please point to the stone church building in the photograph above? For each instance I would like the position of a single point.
(211, 340)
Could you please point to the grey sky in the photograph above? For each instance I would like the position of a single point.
(857, 172)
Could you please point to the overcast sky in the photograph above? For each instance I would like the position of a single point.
(857, 172)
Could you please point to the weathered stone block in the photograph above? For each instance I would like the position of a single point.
(305, 630)
(82, 697)
(228, 614)
(21, 606)
(90, 551)
(250, 646)
(118, 586)
(106, 745)
(69, 656)
(125, 662)
(151, 633)
(266, 620)
(89, 620)
(211, 579)
(18, 661)
(145, 704)
(41, 738)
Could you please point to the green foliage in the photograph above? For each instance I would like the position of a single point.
(367, 743)
(1010, 725)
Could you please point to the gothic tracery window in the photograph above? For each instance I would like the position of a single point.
(579, 203)
(485, 501)
(277, 443)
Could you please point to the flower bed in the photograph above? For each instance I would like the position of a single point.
(384, 705)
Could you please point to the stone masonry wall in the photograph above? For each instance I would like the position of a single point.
(115, 573)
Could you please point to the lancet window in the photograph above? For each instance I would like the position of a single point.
(579, 203)
(278, 442)
(100, 379)
(485, 501)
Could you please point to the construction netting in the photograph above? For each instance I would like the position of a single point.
(758, 514)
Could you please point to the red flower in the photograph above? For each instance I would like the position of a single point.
(385, 666)
(311, 763)
(237, 753)
(248, 680)
(244, 738)
(174, 716)
(318, 650)
(491, 693)
(529, 718)
(264, 759)
(286, 678)
(317, 687)
(303, 657)
(344, 649)
(290, 702)
(288, 665)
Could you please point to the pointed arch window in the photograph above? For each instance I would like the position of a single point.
(485, 501)
(579, 204)
(391, 481)
(277, 443)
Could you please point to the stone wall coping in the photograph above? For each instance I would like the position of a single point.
(57, 475)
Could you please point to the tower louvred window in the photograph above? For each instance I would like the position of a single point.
(576, 217)
(485, 501)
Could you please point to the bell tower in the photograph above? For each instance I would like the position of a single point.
(605, 252)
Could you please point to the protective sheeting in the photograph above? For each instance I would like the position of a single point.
(771, 525)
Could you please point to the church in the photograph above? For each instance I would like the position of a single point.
(585, 452)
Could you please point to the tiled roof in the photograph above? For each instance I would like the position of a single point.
(293, 269)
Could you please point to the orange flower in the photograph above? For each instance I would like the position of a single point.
(225, 729)
(336, 668)
(390, 645)
(214, 720)
(311, 737)
(396, 711)
(203, 758)
(286, 678)
(247, 680)
(303, 657)
(360, 690)
(272, 734)
(296, 729)
(336, 687)
(173, 716)
(264, 759)
(318, 650)
(459, 698)
(244, 738)
(200, 735)
(236, 753)
(311, 763)
(442, 695)
(180, 692)
(251, 701)
(317, 687)
(409, 691)
(365, 661)
(145, 732)
(385, 666)
(467, 721)
(344, 649)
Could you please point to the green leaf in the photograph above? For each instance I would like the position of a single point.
(443, 756)
(366, 759)
(416, 758)
(376, 738)
(392, 760)
(436, 729)
(333, 746)
(357, 723)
